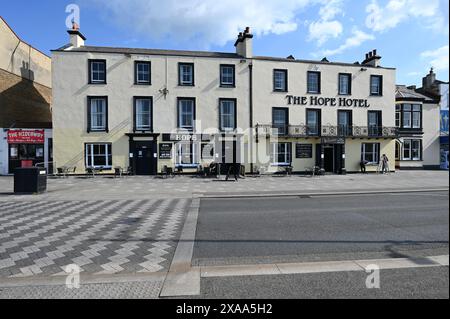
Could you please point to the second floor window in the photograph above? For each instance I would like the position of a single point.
(227, 115)
(97, 71)
(280, 80)
(97, 114)
(345, 84)
(186, 74)
(186, 114)
(409, 116)
(376, 85)
(227, 75)
(313, 82)
(143, 73)
(143, 114)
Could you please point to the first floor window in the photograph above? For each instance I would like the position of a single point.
(371, 153)
(227, 75)
(398, 115)
(97, 71)
(99, 155)
(412, 150)
(280, 80)
(186, 114)
(143, 111)
(376, 85)
(143, 71)
(187, 153)
(281, 154)
(227, 115)
(97, 114)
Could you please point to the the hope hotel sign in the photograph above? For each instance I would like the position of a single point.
(326, 101)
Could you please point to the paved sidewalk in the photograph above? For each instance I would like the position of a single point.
(104, 188)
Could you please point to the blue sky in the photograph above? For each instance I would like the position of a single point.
(411, 35)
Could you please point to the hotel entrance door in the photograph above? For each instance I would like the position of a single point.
(145, 162)
(329, 159)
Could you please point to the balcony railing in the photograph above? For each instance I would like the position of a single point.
(327, 131)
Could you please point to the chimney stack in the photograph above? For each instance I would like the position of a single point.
(428, 81)
(76, 38)
(372, 59)
(244, 44)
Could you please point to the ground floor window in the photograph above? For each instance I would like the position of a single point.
(99, 155)
(187, 153)
(412, 150)
(25, 155)
(371, 153)
(281, 154)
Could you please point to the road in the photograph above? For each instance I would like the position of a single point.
(324, 228)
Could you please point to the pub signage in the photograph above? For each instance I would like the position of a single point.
(165, 151)
(304, 150)
(175, 137)
(26, 137)
(326, 101)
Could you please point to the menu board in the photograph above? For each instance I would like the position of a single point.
(165, 151)
(304, 150)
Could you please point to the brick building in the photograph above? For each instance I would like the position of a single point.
(25, 99)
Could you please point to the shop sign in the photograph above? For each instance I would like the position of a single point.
(333, 140)
(326, 101)
(165, 151)
(175, 137)
(304, 150)
(26, 137)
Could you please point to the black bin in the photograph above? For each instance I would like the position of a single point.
(30, 180)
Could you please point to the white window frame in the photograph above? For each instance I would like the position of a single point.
(224, 115)
(193, 155)
(375, 152)
(181, 114)
(343, 84)
(275, 154)
(140, 113)
(91, 157)
(143, 73)
(94, 115)
(225, 77)
(186, 69)
(98, 72)
(408, 146)
(376, 92)
(280, 80)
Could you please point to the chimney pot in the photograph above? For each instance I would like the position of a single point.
(374, 52)
(247, 30)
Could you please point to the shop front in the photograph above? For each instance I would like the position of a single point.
(24, 148)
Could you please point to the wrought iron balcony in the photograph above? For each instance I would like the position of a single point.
(327, 131)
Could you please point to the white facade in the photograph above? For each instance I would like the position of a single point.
(254, 97)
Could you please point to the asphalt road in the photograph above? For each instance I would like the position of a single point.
(399, 283)
(265, 230)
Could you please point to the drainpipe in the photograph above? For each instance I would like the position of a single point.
(250, 67)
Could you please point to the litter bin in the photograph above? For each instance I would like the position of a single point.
(30, 180)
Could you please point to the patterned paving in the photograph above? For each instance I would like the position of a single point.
(40, 238)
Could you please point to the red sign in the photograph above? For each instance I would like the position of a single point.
(26, 137)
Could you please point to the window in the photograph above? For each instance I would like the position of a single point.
(375, 128)
(281, 154)
(207, 151)
(143, 110)
(99, 155)
(227, 75)
(227, 114)
(412, 150)
(280, 120)
(371, 153)
(417, 116)
(143, 73)
(187, 153)
(313, 82)
(97, 71)
(398, 115)
(97, 114)
(345, 123)
(376, 85)
(186, 74)
(410, 116)
(345, 84)
(186, 113)
(313, 122)
(280, 80)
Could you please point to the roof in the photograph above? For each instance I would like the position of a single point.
(204, 54)
(403, 93)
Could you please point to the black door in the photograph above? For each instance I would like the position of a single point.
(329, 159)
(145, 160)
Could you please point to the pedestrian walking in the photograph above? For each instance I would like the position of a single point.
(385, 164)
(363, 166)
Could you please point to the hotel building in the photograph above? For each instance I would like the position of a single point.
(147, 109)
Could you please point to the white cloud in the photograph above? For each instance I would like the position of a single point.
(357, 38)
(204, 22)
(381, 19)
(326, 28)
(438, 58)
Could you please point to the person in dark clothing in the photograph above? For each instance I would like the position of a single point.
(233, 168)
(363, 166)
